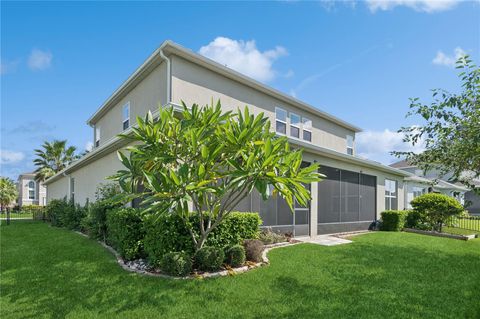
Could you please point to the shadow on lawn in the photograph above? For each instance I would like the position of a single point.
(56, 273)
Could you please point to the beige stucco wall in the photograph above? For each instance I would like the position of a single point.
(194, 84)
(381, 176)
(57, 189)
(149, 94)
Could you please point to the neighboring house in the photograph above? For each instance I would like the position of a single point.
(420, 182)
(30, 192)
(351, 197)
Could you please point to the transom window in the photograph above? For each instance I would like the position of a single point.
(295, 125)
(280, 120)
(349, 144)
(31, 190)
(307, 129)
(97, 136)
(126, 116)
(391, 200)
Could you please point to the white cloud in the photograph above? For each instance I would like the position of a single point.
(244, 57)
(428, 6)
(448, 60)
(39, 60)
(377, 145)
(10, 157)
(89, 146)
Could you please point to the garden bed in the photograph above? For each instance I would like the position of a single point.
(140, 266)
(437, 234)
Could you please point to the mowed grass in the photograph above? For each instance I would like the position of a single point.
(26, 215)
(54, 273)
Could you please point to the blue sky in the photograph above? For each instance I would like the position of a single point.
(360, 61)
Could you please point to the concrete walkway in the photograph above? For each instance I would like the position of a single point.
(325, 240)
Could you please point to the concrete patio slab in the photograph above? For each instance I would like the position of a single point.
(325, 240)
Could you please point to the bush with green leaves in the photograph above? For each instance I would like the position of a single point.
(65, 213)
(436, 209)
(95, 222)
(165, 233)
(125, 232)
(176, 264)
(209, 258)
(393, 220)
(253, 250)
(235, 256)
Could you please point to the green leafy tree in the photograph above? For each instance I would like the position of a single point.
(8, 192)
(211, 159)
(436, 209)
(451, 132)
(52, 158)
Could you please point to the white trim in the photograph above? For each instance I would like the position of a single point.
(281, 121)
(295, 126)
(127, 107)
(34, 190)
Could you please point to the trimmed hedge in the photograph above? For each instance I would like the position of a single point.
(209, 258)
(63, 213)
(95, 221)
(167, 233)
(235, 256)
(126, 232)
(435, 209)
(393, 220)
(176, 264)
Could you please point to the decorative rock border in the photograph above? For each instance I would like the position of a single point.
(446, 235)
(130, 265)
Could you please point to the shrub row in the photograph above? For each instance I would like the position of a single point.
(167, 233)
(163, 239)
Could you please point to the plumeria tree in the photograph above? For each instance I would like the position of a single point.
(211, 160)
(8, 192)
(52, 158)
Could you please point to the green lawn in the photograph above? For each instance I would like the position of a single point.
(49, 272)
(27, 215)
(459, 231)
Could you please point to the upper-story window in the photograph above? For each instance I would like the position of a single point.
(295, 125)
(307, 129)
(391, 200)
(280, 120)
(349, 144)
(126, 116)
(97, 136)
(31, 190)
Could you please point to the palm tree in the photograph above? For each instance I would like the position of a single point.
(53, 158)
(8, 192)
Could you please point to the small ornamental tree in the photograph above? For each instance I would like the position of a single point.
(8, 192)
(436, 209)
(209, 160)
(450, 130)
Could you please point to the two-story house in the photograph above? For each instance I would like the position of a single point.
(30, 191)
(351, 196)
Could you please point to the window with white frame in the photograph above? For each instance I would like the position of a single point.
(295, 125)
(97, 136)
(349, 144)
(417, 191)
(126, 116)
(391, 200)
(72, 188)
(280, 120)
(31, 190)
(307, 129)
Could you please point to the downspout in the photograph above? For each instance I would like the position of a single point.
(169, 76)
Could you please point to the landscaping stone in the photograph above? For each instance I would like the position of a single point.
(437, 234)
